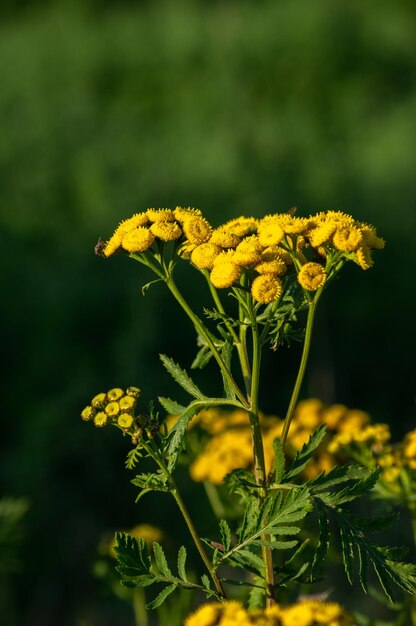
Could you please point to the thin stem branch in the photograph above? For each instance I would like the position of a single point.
(203, 331)
(302, 367)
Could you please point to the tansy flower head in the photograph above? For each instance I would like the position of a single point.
(112, 409)
(271, 262)
(312, 276)
(99, 400)
(160, 215)
(197, 229)
(241, 226)
(113, 244)
(347, 239)
(181, 214)
(225, 274)
(224, 238)
(101, 419)
(125, 421)
(370, 237)
(115, 394)
(166, 231)
(203, 256)
(248, 252)
(363, 257)
(138, 240)
(266, 288)
(270, 231)
(133, 391)
(88, 413)
(127, 403)
(186, 250)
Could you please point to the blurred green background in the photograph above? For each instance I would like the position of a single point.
(235, 107)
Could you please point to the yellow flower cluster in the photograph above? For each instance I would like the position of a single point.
(395, 458)
(230, 445)
(263, 250)
(114, 407)
(305, 613)
(374, 435)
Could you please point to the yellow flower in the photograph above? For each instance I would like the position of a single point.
(115, 394)
(138, 240)
(99, 400)
(186, 250)
(266, 288)
(101, 419)
(224, 238)
(127, 403)
(197, 229)
(88, 413)
(370, 237)
(133, 391)
(148, 532)
(333, 415)
(166, 231)
(241, 226)
(312, 276)
(181, 214)
(224, 452)
(409, 447)
(271, 262)
(125, 421)
(112, 409)
(363, 257)
(113, 244)
(270, 231)
(160, 215)
(203, 256)
(205, 615)
(225, 274)
(248, 252)
(347, 239)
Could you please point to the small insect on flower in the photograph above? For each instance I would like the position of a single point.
(99, 247)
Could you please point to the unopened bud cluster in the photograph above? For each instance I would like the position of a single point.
(117, 407)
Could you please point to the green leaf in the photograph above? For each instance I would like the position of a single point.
(133, 457)
(206, 582)
(279, 461)
(355, 488)
(225, 535)
(181, 377)
(171, 406)
(323, 543)
(226, 353)
(347, 546)
(182, 563)
(202, 358)
(303, 457)
(161, 597)
(133, 560)
(161, 561)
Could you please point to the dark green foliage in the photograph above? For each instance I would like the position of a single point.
(138, 569)
(182, 377)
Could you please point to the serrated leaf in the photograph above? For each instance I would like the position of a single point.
(181, 377)
(384, 580)
(226, 354)
(363, 567)
(202, 358)
(161, 561)
(161, 597)
(347, 553)
(182, 563)
(279, 461)
(171, 406)
(225, 535)
(303, 457)
(323, 543)
(206, 582)
(354, 489)
(276, 545)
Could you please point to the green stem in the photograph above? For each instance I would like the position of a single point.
(203, 331)
(259, 464)
(214, 499)
(238, 340)
(188, 520)
(302, 367)
(139, 607)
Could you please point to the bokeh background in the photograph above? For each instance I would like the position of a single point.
(235, 107)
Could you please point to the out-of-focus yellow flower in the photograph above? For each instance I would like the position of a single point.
(266, 288)
(312, 276)
(409, 449)
(223, 453)
(374, 435)
(138, 240)
(166, 231)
